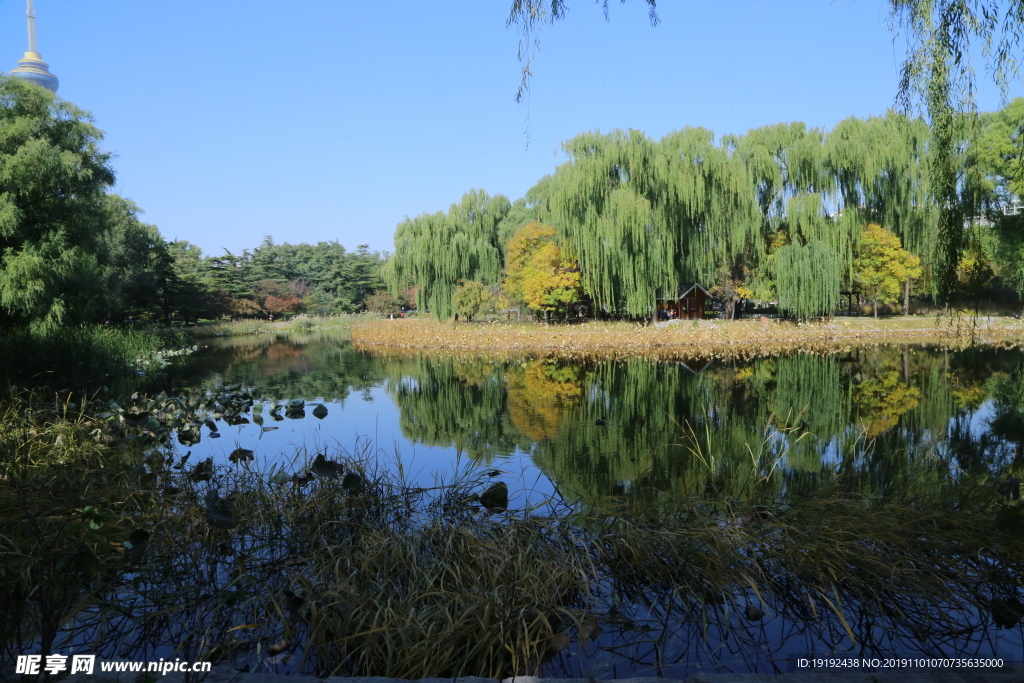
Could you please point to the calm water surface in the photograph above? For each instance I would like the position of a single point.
(582, 432)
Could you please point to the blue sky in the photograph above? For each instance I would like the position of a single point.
(335, 119)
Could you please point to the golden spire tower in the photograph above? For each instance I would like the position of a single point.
(31, 67)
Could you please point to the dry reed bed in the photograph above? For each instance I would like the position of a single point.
(682, 340)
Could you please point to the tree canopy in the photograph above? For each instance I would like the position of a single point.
(776, 213)
(944, 38)
(436, 251)
(54, 214)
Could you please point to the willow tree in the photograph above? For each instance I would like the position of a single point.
(433, 252)
(807, 278)
(943, 38)
(642, 217)
(825, 186)
(939, 75)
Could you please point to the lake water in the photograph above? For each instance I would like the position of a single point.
(906, 422)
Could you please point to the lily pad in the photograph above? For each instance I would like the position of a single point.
(1009, 520)
(495, 498)
(93, 515)
(320, 411)
(203, 471)
(322, 467)
(220, 512)
(352, 482)
(188, 436)
(241, 455)
(82, 564)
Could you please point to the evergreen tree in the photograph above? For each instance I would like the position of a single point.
(53, 210)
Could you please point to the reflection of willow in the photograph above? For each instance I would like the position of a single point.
(902, 403)
(450, 403)
(873, 420)
(650, 430)
(319, 365)
(809, 397)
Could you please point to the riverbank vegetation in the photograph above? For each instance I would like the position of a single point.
(786, 214)
(679, 339)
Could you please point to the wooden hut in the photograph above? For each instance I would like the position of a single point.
(689, 305)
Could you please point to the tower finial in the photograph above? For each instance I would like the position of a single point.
(30, 14)
(31, 67)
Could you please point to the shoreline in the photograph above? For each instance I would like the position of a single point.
(680, 339)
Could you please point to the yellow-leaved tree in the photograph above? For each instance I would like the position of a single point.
(538, 272)
(883, 267)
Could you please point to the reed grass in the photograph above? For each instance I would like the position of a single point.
(298, 323)
(86, 356)
(681, 340)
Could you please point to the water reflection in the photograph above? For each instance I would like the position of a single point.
(763, 428)
(874, 432)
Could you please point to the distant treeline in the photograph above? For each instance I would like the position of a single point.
(270, 280)
(784, 213)
(72, 253)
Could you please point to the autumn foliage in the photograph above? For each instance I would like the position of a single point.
(538, 273)
(883, 266)
(281, 304)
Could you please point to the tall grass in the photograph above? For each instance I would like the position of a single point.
(79, 356)
(299, 323)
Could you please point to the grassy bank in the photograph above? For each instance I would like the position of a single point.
(350, 570)
(679, 340)
(87, 356)
(299, 323)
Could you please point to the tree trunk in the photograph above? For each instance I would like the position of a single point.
(654, 314)
(906, 297)
(874, 307)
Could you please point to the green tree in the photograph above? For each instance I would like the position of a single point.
(53, 210)
(435, 251)
(382, 303)
(807, 279)
(133, 258)
(188, 294)
(943, 37)
(999, 151)
(470, 299)
(883, 266)
(642, 217)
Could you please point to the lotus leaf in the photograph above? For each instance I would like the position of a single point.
(203, 471)
(220, 512)
(241, 455)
